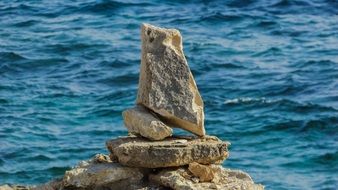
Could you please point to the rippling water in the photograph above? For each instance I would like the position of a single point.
(267, 70)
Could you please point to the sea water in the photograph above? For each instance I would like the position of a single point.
(266, 69)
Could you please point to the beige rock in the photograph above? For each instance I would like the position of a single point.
(182, 179)
(93, 175)
(205, 173)
(101, 158)
(5, 187)
(52, 185)
(166, 84)
(140, 121)
(173, 151)
(15, 187)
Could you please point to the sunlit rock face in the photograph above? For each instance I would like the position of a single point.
(166, 84)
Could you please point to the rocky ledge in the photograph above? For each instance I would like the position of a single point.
(101, 173)
(150, 157)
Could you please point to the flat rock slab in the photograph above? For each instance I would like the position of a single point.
(100, 174)
(166, 84)
(183, 179)
(173, 151)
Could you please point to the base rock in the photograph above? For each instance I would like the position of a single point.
(102, 175)
(182, 179)
(174, 151)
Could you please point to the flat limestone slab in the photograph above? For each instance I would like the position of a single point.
(140, 121)
(223, 178)
(174, 151)
(101, 173)
(166, 84)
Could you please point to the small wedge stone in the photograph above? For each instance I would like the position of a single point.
(140, 121)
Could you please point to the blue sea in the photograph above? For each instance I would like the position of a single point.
(266, 69)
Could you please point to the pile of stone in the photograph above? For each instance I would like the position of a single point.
(151, 157)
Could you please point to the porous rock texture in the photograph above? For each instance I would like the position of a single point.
(100, 173)
(166, 84)
(95, 174)
(205, 173)
(173, 151)
(224, 179)
(140, 121)
(14, 187)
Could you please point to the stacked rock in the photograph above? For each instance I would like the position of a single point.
(150, 157)
(167, 97)
(167, 94)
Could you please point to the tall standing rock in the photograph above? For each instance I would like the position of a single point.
(166, 84)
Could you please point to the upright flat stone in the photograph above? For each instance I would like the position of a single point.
(173, 151)
(140, 121)
(166, 84)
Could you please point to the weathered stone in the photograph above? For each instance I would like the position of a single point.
(173, 151)
(107, 175)
(182, 179)
(140, 121)
(6, 187)
(101, 158)
(15, 187)
(205, 173)
(166, 84)
(52, 185)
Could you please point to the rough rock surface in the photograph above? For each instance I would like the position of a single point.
(140, 121)
(52, 185)
(100, 173)
(5, 187)
(95, 174)
(14, 187)
(166, 84)
(183, 179)
(205, 173)
(174, 151)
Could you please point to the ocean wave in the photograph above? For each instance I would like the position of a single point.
(248, 100)
(273, 51)
(220, 17)
(11, 56)
(240, 3)
(316, 64)
(288, 3)
(326, 124)
(105, 6)
(26, 23)
(280, 104)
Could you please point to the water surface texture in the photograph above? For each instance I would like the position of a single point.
(267, 71)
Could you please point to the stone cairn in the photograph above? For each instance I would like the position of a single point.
(150, 157)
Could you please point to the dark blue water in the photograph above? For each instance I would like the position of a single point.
(267, 71)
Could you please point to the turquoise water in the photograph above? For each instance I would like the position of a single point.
(267, 71)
